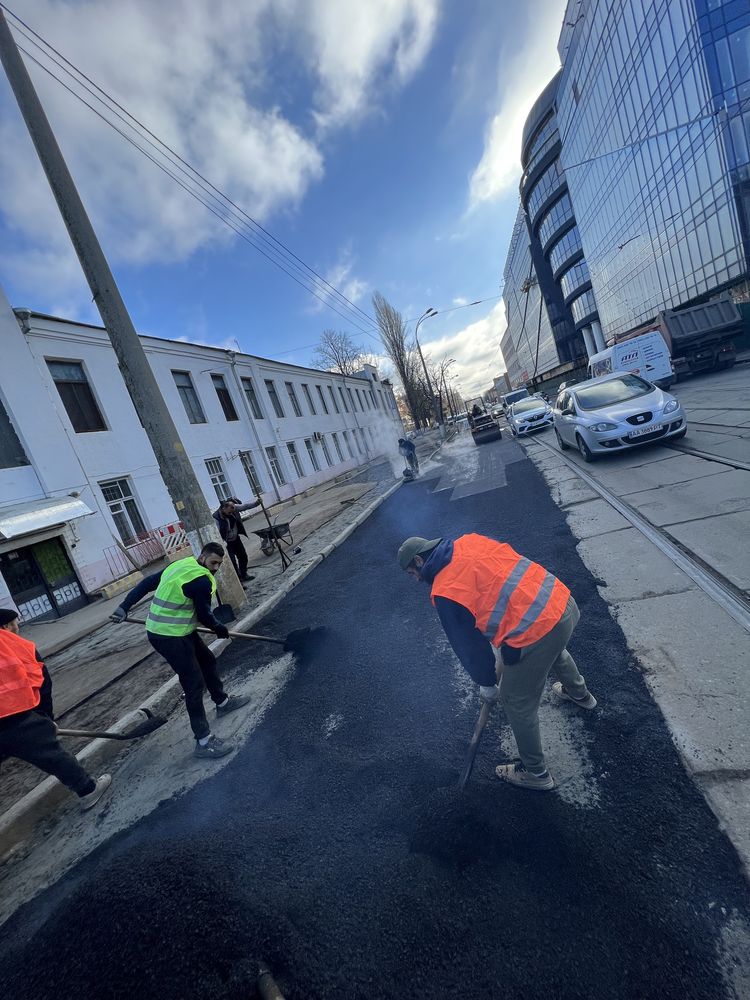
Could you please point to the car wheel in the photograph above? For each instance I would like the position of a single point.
(561, 443)
(586, 453)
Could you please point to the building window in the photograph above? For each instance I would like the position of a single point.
(189, 397)
(356, 441)
(292, 449)
(374, 400)
(337, 446)
(247, 385)
(326, 451)
(224, 398)
(293, 399)
(343, 400)
(348, 443)
(333, 399)
(218, 478)
(311, 454)
(12, 455)
(322, 398)
(77, 397)
(276, 469)
(118, 495)
(251, 472)
(308, 397)
(350, 394)
(274, 397)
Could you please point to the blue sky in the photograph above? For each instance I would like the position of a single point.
(378, 140)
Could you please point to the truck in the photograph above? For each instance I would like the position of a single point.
(484, 426)
(699, 338)
(646, 355)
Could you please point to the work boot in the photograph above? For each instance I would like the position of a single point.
(233, 702)
(215, 748)
(559, 691)
(517, 775)
(102, 784)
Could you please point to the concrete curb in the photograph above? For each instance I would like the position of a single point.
(22, 817)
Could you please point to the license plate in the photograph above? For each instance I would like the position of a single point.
(646, 430)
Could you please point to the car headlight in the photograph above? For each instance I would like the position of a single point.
(671, 406)
(602, 426)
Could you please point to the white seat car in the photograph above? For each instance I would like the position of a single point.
(529, 415)
(614, 412)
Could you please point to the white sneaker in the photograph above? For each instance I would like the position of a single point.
(102, 784)
(559, 691)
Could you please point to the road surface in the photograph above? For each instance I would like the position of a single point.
(336, 848)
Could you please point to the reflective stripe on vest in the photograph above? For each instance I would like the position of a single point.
(512, 599)
(20, 674)
(171, 613)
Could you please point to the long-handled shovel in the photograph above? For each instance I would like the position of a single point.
(471, 753)
(151, 723)
(300, 641)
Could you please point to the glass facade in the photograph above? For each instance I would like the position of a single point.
(655, 163)
(559, 215)
(528, 345)
(565, 250)
(574, 279)
(550, 182)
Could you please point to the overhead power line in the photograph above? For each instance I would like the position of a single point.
(230, 213)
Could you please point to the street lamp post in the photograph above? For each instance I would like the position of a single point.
(426, 315)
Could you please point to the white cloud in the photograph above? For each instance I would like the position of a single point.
(521, 80)
(206, 79)
(476, 348)
(460, 301)
(340, 277)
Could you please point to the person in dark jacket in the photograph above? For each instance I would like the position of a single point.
(231, 529)
(184, 591)
(508, 617)
(409, 452)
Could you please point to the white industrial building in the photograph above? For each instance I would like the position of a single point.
(82, 501)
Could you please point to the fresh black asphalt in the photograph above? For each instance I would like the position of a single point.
(336, 848)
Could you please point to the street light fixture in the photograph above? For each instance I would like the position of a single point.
(427, 314)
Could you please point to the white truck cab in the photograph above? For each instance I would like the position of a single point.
(646, 355)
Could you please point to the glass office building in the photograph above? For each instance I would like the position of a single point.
(528, 345)
(653, 111)
(555, 242)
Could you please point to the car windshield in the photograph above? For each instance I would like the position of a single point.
(614, 390)
(528, 404)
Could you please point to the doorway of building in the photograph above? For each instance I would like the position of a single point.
(42, 581)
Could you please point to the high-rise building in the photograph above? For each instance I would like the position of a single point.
(653, 108)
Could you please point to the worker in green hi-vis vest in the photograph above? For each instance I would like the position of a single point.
(184, 592)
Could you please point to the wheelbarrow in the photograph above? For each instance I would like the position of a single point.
(275, 536)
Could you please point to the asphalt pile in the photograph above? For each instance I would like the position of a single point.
(348, 859)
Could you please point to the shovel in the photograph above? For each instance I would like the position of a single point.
(300, 642)
(151, 723)
(471, 753)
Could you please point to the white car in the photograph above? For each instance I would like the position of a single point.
(527, 415)
(615, 412)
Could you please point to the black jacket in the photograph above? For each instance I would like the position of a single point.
(224, 521)
(198, 591)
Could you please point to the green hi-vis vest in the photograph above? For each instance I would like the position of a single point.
(171, 613)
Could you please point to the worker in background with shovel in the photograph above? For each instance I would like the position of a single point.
(501, 612)
(26, 727)
(184, 591)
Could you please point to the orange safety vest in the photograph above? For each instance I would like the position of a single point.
(513, 600)
(20, 674)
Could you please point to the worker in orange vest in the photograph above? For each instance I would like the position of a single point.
(26, 731)
(508, 618)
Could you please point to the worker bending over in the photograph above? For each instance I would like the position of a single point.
(407, 449)
(26, 727)
(504, 615)
(184, 592)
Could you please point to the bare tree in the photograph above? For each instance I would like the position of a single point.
(394, 336)
(337, 352)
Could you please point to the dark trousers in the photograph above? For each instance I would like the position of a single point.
(32, 737)
(238, 556)
(195, 665)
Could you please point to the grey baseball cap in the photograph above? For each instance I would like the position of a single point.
(415, 546)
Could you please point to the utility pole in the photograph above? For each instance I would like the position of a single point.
(174, 465)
